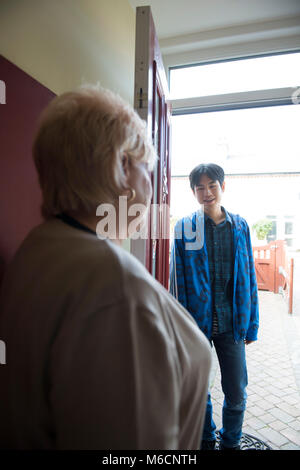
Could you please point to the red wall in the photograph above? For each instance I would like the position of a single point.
(20, 196)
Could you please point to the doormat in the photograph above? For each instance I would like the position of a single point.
(247, 442)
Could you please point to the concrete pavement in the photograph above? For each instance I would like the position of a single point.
(273, 408)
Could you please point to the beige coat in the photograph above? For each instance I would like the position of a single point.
(99, 355)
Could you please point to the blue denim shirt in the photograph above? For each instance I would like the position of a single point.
(219, 246)
(190, 283)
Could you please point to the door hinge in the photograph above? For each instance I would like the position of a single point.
(142, 99)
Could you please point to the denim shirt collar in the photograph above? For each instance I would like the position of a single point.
(228, 217)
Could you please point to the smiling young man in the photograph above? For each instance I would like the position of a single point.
(216, 283)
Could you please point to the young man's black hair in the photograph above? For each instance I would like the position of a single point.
(213, 171)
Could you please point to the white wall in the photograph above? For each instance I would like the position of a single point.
(63, 43)
(244, 40)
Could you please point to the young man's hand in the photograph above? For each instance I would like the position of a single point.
(247, 341)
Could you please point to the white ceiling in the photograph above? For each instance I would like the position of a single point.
(180, 17)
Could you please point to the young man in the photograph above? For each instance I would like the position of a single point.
(214, 279)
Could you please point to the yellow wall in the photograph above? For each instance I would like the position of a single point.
(64, 43)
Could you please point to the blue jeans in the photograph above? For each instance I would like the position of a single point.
(234, 380)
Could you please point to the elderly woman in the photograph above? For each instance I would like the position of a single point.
(99, 355)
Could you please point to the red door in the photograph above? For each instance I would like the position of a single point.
(151, 102)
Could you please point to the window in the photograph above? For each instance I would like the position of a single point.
(244, 140)
(270, 72)
(288, 228)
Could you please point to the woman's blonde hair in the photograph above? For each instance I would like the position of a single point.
(79, 146)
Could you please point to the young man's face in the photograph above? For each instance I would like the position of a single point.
(208, 192)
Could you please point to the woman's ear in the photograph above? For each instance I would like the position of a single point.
(125, 165)
(223, 186)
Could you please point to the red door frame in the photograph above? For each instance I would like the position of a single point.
(151, 88)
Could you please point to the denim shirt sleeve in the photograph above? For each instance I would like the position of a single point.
(254, 315)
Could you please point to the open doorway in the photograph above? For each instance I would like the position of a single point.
(250, 129)
(244, 116)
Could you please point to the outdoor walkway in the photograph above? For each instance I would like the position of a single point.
(273, 409)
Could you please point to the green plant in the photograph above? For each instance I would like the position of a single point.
(262, 228)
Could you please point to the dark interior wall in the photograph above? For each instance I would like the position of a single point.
(20, 196)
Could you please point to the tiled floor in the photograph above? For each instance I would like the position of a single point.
(273, 408)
